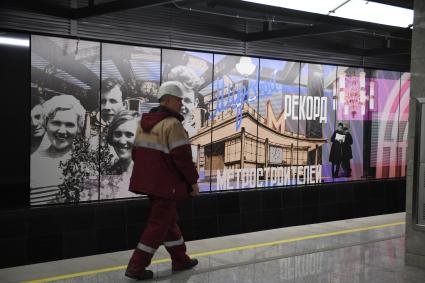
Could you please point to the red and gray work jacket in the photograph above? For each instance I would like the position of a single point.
(162, 156)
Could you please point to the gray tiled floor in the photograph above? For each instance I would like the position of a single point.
(366, 256)
(375, 262)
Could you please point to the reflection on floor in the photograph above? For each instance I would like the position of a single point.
(357, 250)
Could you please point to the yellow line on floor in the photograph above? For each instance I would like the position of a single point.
(239, 248)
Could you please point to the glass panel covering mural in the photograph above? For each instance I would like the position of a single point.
(65, 77)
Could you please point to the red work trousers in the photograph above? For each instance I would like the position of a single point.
(161, 228)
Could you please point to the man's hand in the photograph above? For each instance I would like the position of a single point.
(195, 188)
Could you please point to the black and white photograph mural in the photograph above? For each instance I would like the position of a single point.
(64, 96)
(130, 81)
(195, 71)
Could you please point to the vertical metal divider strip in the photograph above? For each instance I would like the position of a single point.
(398, 162)
(28, 204)
(298, 118)
(257, 124)
(100, 122)
(212, 119)
(335, 115)
(160, 65)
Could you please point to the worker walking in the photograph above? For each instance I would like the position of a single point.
(163, 170)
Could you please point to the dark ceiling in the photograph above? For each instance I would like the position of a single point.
(399, 3)
(262, 23)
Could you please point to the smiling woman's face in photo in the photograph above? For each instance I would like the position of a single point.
(123, 138)
(62, 129)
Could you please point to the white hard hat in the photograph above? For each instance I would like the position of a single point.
(173, 88)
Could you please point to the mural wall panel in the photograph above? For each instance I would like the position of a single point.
(252, 122)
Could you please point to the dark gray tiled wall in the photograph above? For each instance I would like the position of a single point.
(57, 232)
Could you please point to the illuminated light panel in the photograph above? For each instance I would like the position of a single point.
(359, 10)
(14, 41)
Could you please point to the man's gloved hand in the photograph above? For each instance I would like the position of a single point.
(195, 190)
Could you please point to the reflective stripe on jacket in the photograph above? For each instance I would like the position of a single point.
(162, 156)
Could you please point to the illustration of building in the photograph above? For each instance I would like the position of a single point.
(230, 149)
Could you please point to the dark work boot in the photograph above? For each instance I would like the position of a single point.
(189, 265)
(136, 267)
(139, 274)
